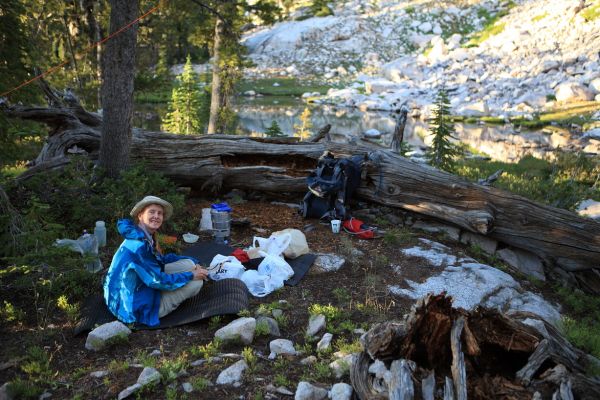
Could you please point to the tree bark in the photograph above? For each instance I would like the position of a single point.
(216, 96)
(117, 89)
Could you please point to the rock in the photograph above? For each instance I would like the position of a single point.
(325, 342)
(277, 312)
(594, 85)
(233, 374)
(187, 387)
(250, 93)
(425, 27)
(436, 256)
(129, 391)
(592, 133)
(282, 346)
(45, 395)
(341, 366)
(4, 393)
(486, 244)
(104, 334)
(378, 86)
(242, 329)
(372, 133)
(271, 323)
(452, 232)
(316, 323)
(474, 109)
(573, 91)
(99, 374)
(524, 261)
(328, 263)
(276, 84)
(308, 360)
(281, 390)
(589, 208)
(547, 65)
(341, 391)
(198, 363)
(148, 375)
(306, 391)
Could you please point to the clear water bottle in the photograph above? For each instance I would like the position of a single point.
(100, 233)
(89, 244)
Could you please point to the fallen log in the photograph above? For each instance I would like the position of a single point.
(430, 338)
(220, 162)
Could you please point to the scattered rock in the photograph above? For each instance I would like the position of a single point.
(524, 261)
(308, 360)
(325, 342)
(452, 232)
(486, 244)
(233, 374)
(328, 263)
(277, 313)
(281, 390)
(129, 391)
(250, 93)
(316, 323)
(341, 366)
(306, 391)
(573, 91)
(104, 334)
(187, 387)
(271, 323)
(148, 375)
(589, 208)
(99, 374)
(283, 347)
(242, 329)
(341, 391)
(372, 134)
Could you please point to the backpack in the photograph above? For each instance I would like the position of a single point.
(330, 187)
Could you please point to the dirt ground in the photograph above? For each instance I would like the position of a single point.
(359, 290)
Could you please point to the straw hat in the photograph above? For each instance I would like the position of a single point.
(148, 200)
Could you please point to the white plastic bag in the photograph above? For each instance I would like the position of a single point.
(298, 244)
(260, 285)
(275, 267)
(223, 267)
(274, 245)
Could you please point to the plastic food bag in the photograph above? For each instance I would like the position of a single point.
(298, 244)
(223, 267)
(86, 244)
(260, 285)
(274, 245)
(275, 267)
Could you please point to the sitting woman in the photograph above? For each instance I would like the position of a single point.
(143, 285)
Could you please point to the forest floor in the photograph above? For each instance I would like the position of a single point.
(354, 298)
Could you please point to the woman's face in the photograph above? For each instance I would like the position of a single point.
(151, 217)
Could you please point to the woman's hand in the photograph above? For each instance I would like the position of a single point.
(199, 273)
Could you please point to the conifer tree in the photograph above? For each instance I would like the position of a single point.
(185, 109)
(443, 152)
(274, 130)
(303, 130)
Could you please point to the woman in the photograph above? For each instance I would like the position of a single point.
(142, 284)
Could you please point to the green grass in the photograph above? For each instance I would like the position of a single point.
(492, 25)
(287, 87)
(592, 12)
(574, 113)
(539, 17)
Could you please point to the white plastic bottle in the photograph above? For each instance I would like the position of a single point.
(100, 233)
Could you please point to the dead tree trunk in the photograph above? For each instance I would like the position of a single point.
(226, 162)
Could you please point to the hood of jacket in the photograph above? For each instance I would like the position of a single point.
(129, 230)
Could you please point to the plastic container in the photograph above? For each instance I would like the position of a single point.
(100, 233)
(221, 225)
(205, 220)
(89, 244)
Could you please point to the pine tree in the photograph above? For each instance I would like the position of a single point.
(185, 109)
(303, 130)
(274, 130)
(443, 152)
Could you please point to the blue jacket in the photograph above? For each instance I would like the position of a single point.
(135, 277)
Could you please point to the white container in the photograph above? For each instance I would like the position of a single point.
(335, 225)
(205, 220)
(221, 223)
(100, 233)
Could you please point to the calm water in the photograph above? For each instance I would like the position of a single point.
(255, 115)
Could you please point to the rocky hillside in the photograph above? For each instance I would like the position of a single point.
(495, 57)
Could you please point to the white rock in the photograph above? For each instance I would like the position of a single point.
(241, 329)
(474, 109)
(589, 208)
(99, 374)
(187, 387)
(328, 263)
(308, 360)
(282, 346)
(573, 91)
(276, 84)
(233, 374)
(452, 232)
(425, 27)
(316, 323)
(306, 391)
(377, 86)
(129, 391)
(486, 244)
(592, 133)
(437, 30)
(595, 85)
(341, 391)
(271, 323)
(372, 133)
(524, 261)
(148, 375)
(341, 366)
(250, 93)
(98, 338)
(325, 342)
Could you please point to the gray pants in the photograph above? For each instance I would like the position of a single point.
(171, 299)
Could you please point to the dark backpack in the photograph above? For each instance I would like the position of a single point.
(330, 187)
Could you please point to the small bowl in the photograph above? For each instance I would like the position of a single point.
(190, 238)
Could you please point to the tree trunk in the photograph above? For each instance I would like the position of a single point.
(117, 89)
(225, 162)
(216, 97)
(91, 7)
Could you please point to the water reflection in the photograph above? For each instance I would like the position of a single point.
(255, 115)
